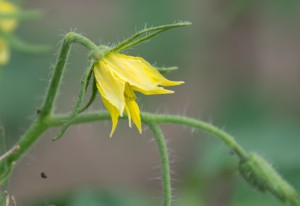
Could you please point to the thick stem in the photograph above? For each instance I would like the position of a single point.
(60, 66)
(27, 140)
(165, 166)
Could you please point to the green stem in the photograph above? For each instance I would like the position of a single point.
(58, 120)
(59, 68)
(204, 126)
(165, 166)
(27, 140)
(40, 125)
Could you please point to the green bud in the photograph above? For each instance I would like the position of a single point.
(260, 174)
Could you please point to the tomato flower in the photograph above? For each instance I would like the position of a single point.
(118, 76)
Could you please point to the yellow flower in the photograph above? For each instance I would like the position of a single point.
(118, 76)
(6, 25)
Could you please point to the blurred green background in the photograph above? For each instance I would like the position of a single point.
(240, 61)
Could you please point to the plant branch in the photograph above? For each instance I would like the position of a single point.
(40, 125)
(58, 120)
(60, 66)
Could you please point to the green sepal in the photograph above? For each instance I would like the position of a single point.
(92, 97)
(146, 34)
(165, 70)
(77, 109)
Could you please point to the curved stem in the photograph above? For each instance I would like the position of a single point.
(225, 137)
(58, 120)
(165, 166)
(59, 68)
(40, 125)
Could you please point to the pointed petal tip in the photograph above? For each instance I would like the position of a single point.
(113, 129)
(111, 133)
(178, 82)
(171, 83)
(139, 127)
(169, 91)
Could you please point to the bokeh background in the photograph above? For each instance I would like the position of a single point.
(240, 61)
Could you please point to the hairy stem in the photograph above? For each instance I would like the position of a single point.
(58, 120)
(60, 66)
(165, 166)
(40, 125)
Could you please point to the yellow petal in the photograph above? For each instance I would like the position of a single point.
(156, 76)
(4, 52)
(129, 115)
(7, 25)
(133, 111)
(132, 108)
(129, 96)
(114, 113)
(129, 93)
(138, 73)
(157, 90)
(109, 86)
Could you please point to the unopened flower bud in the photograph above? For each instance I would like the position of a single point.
(260, 174)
